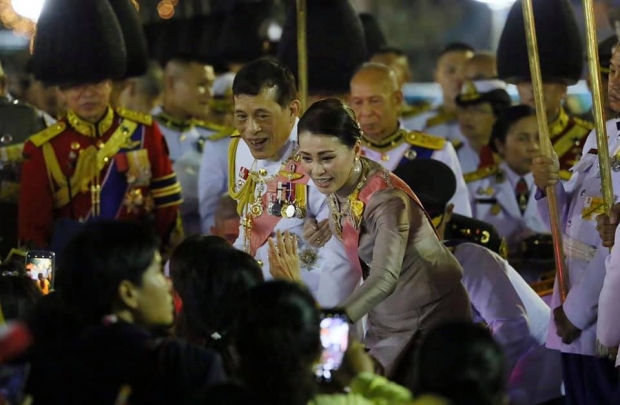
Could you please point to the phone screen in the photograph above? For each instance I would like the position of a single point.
(40, 268)
(335, 340)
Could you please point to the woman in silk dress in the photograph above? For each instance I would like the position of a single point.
(411, 281)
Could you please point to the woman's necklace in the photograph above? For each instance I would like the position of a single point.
(346, 211)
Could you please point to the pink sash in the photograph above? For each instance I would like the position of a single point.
(263, 226)
(377, 182)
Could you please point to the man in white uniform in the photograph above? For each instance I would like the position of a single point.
(376, 99)
(271, 191)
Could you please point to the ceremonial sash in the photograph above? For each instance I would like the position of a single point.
(378, 182)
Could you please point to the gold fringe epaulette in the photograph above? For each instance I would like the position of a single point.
(441, 118)
(223, 134)
(140, 118)
(583, 123)
(423, 140)
(565, 175)
(480, 174)
(411, 110)
(48, 134)
(208, 125)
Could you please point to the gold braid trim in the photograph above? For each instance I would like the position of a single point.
(245, 195)
(90, 162)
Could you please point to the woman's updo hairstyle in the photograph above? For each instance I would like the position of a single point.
(331, 117)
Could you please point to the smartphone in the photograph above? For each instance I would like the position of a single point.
(335, 325)
(40, 266)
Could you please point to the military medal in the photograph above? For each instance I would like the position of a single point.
(411, 154)
(300, 213)
(291, 174)
(256, 209)
(288, 211)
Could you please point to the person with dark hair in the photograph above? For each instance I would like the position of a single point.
(376, 98)
(449, 74)
(479, 105)
(272, 192)
(96, 329)
(18, 292)
(210, 279)
(277, 335)
(501, 299)
(411, 281)
(462, 363)
(588, 371)
(503, 194)
(96, 163)
(183, 115)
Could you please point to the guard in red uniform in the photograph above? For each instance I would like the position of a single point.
(96, 163)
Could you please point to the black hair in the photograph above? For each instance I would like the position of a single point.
(506, 120)
(333, 118)
(389, 49)
(266, 73)
(210, 277)
(456, 47)
(277, 336)
(18, 292)
(98, 259)
(462, 363)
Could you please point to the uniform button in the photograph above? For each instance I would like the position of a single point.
(260, 263)
(583, 192)
(106, 159)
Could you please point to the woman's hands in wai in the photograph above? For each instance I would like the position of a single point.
(283, 259)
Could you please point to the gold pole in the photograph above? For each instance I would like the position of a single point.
(597, 106)
(302, 54)
(545, 142)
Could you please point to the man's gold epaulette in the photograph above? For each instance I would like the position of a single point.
(441, 118)
(49, 133)
(565, 175)
(410, 110)
(208, 125)
(583, 123)
(423, 140)
(226, 132)
(480, 174)
(140, 118)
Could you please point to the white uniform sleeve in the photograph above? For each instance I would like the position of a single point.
(212, 180)
(461, 198)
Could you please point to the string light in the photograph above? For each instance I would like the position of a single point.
(165, 8)
(21, 24)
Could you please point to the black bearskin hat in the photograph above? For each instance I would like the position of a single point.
(78, 42)
(375, 40)
(336, 45)
(239, 39)
(559, 45)
(135, 41)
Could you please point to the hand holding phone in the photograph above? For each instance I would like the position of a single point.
(335, 341)
(40, 266)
